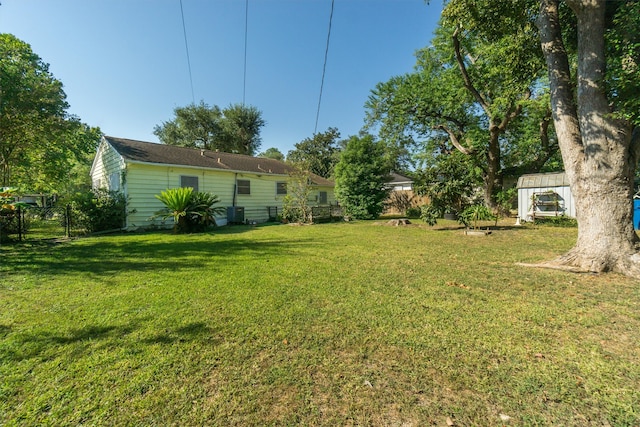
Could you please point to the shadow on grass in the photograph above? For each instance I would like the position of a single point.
(196, 331)
(78, 342)
(146, 252)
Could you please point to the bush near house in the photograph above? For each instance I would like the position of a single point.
(99, 210)
(192, 211)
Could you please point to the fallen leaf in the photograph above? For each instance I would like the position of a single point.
(450, 422)
(505, 417)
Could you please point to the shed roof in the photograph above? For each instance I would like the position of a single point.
(539, 180)
(153, 153)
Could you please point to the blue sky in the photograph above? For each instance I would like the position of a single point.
(124, 65)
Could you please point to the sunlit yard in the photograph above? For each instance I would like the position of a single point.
(336, 324)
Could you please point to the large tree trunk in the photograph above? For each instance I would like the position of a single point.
(599, 152)
(492, 176)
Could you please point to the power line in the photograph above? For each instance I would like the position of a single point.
(246, 30)
(324, 68)
(186, 45)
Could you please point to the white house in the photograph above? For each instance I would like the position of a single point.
(252, 188)
(544, 195)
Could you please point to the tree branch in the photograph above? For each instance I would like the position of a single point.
(454, 140)
(563, 107)
(465, 75)
(512, 112)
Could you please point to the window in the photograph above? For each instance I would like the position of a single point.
(243, 186)
(189, 181)
(114, 182)
(323, 197)
(281, 188)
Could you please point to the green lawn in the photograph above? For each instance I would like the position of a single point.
(335, 324)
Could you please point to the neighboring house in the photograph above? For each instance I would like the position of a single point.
(401, 196)
(251, 188)
(400, 182)
(544, 195)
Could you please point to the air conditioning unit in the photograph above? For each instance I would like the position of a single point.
(235, 215)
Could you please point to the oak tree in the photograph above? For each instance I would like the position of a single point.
(466, 94)
(592, 54)
(235, 129)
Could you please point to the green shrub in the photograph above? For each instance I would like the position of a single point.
(413, 212)
(99, 210)
(430, 214)
(361, 178)
(192, 211)
(475, 213)
(557, 221)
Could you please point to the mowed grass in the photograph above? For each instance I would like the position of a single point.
(335, 324)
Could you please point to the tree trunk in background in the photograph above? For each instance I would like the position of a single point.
(600, 153)
(492, 175)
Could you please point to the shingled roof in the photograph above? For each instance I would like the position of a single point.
(537, 180)
(152, 153)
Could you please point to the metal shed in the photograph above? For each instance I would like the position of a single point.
(544, 195)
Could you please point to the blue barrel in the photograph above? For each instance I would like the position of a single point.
(636, 214)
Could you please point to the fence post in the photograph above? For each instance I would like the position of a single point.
(67, 221)
(20, 222)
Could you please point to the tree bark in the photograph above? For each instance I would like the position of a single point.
(598, 150)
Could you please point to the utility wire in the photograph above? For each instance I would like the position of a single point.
(324, 68)
(246, 30)
(186, 45)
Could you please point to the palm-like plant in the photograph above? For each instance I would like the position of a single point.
(202, 210)
(176, 202)
(191, 210)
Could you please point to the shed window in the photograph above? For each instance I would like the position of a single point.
(323, 198)
(243, 186)
(189, 181)
(281, 188)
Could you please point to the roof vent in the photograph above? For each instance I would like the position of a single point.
(202, 152)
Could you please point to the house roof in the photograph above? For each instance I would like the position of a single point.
(538, 180)
(153, 153)
(396, 178)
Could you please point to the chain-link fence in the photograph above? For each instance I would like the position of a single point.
(37, 223)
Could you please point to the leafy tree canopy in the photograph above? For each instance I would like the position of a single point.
(478, 95)
(272, 153)
(494, 21)
(319, 154)
(361, 177)
(39, 141)
(236, 129)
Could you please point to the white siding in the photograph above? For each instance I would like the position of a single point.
(142, 182)
(106, 171)
(525, 204)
